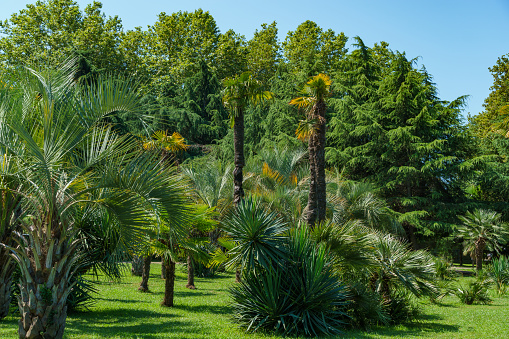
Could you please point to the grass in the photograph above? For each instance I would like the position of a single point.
(123, 312)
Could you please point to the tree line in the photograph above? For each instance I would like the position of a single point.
(385, 121)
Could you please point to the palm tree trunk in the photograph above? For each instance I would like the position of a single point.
(312, 203)
(137, 266)
(238, 276)
(163, 269)
(190, 273)
(480, 244)
(46, 269)
(145, 274)
(238, 145)
(7, 266)
(169, 284)
(321, 194)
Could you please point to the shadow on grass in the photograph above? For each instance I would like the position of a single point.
(101, 282)
(127, 301)
(129, 323)
(209, 309)
(413, 329)
(185, 294)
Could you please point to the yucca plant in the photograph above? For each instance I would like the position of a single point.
(256, 237)
(301, 296)
(498, 271)
(68, 158)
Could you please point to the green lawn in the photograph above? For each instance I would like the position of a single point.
(123, 312)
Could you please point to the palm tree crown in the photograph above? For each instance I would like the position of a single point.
(482, 229)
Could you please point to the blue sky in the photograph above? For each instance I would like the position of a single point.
(457, 40)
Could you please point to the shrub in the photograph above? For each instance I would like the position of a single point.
(443, 268)
(498, 272)
(302, 296)
(475, 292)
(401, 308)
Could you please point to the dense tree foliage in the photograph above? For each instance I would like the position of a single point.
(386, 123)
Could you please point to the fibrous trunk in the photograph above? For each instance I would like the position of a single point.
(163, 269)
(480, 244)
(137, 266)
(190, 273)
(311, 206)
(7, 266)
(145, 274)
(47, 262)
(169, 284)
(238, 144)
(319, 157)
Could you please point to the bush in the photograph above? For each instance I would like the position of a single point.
(475, 292)
(401, 308)
(302, 296)
(498, 272)
(366, 307)
(443, 268)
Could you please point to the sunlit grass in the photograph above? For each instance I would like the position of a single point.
(123, 312)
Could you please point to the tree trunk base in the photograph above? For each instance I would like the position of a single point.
(169, 284)
(238, 278)
(146, 274)
(137, 266)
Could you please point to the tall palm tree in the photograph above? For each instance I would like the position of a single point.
(238, 93)
(69, 159)
(314, 95)
(482, 229)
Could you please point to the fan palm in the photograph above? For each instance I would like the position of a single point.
(210, 184)
(69, 159)
(397, 267)
(282, 181)
(359, 201)
(315, 92)
(482, 229)
(238, 93)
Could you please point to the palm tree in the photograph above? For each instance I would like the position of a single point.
(238, 93)
(282, 181)
(203, 222)
(482, 229)
(315, 92)
(210, 181)
(359, 201)
(168, 145)
(10, 211)
(69, 159)
(395, 266)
